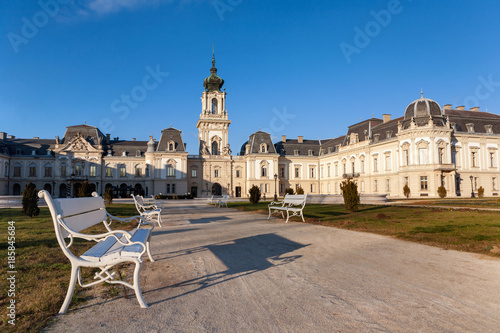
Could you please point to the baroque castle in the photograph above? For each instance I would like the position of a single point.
(428, 147)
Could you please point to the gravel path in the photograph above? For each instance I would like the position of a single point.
(222, 270)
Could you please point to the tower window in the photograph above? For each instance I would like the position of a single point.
(215, 148)
(214, 105)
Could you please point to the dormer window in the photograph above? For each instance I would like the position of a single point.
(329, 150)
(33, 152)
(489, 129)
(296, 152)
(470, 127)
(388, 134)
(376, 137)
(263, 148)
(137, 153)
(310, 152)
(124, 153)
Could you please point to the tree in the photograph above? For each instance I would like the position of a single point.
(480, 192)
(289, 190)
(254, 194)
(441, 192)
(350, 194)
(406, 191)
(108, 196)
(300, 190)
(30, 200)
(85, 190)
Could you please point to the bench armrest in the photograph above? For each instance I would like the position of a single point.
(275, 203)
(139, 219)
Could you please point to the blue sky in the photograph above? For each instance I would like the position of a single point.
(307, 68)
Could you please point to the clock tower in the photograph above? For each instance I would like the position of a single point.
(213, 123)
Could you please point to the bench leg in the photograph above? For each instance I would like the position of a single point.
(287, 216)
(75, 271)
(302, 215)
(148, 250)
(159, 220)
(137, 286)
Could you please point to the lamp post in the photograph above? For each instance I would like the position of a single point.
(275, 194)
(471, 187)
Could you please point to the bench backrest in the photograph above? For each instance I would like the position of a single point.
(295, 199)
(76, 213)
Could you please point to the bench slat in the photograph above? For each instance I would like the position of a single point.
(111, 249)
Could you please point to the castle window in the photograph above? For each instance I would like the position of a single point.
(138, 171)
(215, 148)
(423, 183)
(170, 170)
(63, 170)
(214, 105)
(78, 170)
(194, 172)
(422, 155)
(474, 159)
(109, 172)
(123, 171)
(216, 173)
(238, 173)
(17, 170)
(264, 171)
(375, 164)
(48, 170)
(32, 170)
(93, 170)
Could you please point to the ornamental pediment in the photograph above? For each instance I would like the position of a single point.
(79, 144)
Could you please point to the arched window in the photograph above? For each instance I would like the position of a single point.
(78, 170)
(17, 170)
(263, 171)
(170, 170)
(214, 105)
(263, 148)
(63, 170)
(215, 148)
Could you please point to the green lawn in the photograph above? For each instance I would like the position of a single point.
(463, 230)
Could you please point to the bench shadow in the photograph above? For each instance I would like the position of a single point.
(171, 231)
(209, 219)
(241, 257)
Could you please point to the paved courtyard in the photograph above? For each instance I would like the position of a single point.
(223, 270)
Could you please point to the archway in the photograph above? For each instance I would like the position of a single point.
(48, 188)
(76, 188)
(16, 189)
(62, 191)
(216, 189)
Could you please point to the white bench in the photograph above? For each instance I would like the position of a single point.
(148, 211)
(212, 200)
(71, 216)
(292, 203)
(223, 201)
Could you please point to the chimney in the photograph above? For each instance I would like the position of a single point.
(36, 137)
(386, 117)
(108, 138)
(12, 137)
(461, 107)
(301, 139)
(3, 135)
(447, 106)
(476, 108)
(283, 138)
(133, 139)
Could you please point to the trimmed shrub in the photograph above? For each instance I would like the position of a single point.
(30, 200)
(254, 194)
(441, 192)
(300, 190)
(350, 194)
(85, 190)
(480, 192)
(289, 190)
(108, 196)
(406, 191)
